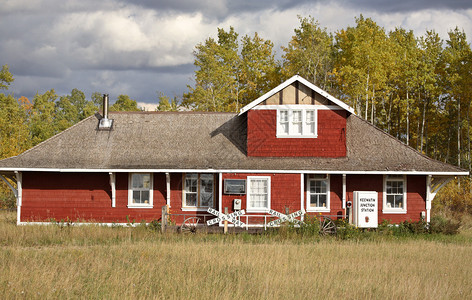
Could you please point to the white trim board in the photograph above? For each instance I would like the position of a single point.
(289, 82)
(360, 172)
(297, 106)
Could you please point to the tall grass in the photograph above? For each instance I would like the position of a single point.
(92, 262)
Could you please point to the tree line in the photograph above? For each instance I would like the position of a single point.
(416, 88)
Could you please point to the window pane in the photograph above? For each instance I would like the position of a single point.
(296, 116)
(146, 181)
(313, 200)
(191, 200)
(399, 201)
(136, 197)
(137, 180)
(145, 197)
(283, 116)
(206, 190)
(310, 116)
(322, 201)
(206, 199)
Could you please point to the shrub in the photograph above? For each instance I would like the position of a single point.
(444, 225)
(154, 225)
(454, 197)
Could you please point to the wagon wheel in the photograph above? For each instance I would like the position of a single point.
(189, 225)
(327, 226)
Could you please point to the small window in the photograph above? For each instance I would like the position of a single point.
(394, 198)
(296, 123)
(283, 121)
(258, 193)
(235, 186)
(198, 191)
(140, 190)
(318, 193)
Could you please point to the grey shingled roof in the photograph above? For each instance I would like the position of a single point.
(196, 140)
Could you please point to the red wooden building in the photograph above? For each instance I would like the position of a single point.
(294, 148)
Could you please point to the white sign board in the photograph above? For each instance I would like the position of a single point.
(366, 209)
(282, 217)
(233, 217)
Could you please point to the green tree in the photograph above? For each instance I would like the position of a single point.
(6, 78)
(165, 105)
(227, 79)
(216, 85)
(43, 118)
(73, 108)
(258, 71)
(124, 103)
(457, 83)
(403, 81)
(14, 133)
(310, 53)
(429, 89)
(362, 60)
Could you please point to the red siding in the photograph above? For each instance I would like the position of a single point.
(84, 197)
(262, 140)
(87, 197)
(416, 195)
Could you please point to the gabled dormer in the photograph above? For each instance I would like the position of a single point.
(296, 119)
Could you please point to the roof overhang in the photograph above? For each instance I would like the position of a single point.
(339, 172)
(289, 82)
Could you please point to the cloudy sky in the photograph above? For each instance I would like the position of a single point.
(143, 47)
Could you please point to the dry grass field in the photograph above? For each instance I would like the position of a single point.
(44, 262)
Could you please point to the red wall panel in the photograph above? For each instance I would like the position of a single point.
(82, 197)
(87, 197)
(262, 140)
(416, 195)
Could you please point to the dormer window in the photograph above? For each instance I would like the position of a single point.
(296, 122)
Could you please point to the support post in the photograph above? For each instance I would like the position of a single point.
(344, 191)
(19, 200)
(168, 189)
(220, 194)
(113, 189)
(226, 222)
(432, 188)
(302, 194)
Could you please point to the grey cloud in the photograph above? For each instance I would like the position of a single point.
(219, 9)
(407, 5)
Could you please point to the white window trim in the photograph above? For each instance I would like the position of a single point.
(328, 195)
(130, 192)
(248, 195)
(196, 208)
(303, 109)
(394, 210)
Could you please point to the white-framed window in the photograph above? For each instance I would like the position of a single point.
(140, 191)
(295, 122)
(394, 194)
(198, 191)
(317, 193)
(258, 194)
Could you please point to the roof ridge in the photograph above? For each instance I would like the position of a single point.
(55, 136)
(403, 144)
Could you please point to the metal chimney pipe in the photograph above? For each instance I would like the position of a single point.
(105, 106)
